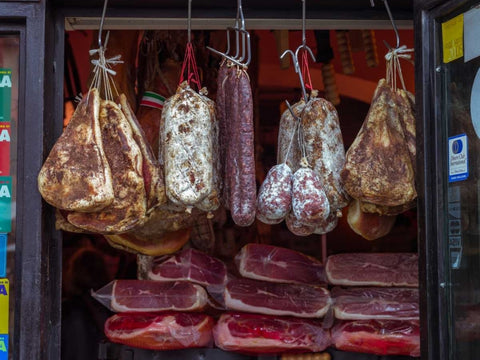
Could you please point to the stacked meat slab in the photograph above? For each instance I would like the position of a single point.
(375, 302)
(276, 302)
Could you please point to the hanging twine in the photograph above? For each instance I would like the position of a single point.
(393, 65)
(103, 72)
(190, 67)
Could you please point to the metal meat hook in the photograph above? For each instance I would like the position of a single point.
(372, 3)
(100, 45)
(189, 21)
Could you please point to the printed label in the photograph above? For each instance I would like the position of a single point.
(5, 205)
(457, 158)
(5, 94)
(452, 39)
(152, 99)
(4, 304)
(5, 135)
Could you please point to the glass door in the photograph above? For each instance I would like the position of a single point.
(458, 72)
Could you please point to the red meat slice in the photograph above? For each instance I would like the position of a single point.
(276, 299)
(380, 337)
(256, 334)
(150, 296)
(191, 265)
(373, 269)
(376, 303)
(167, 331)
(277, 264)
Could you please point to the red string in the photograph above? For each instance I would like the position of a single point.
(190, 65)
(306, 72)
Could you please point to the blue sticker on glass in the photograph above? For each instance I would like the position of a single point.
(457, 158)
(3, 346)
(3, 256)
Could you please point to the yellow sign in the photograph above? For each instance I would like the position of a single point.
(4, 296)
(452, 38)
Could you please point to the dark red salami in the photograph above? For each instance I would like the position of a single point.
(242, 170)
(274, 199)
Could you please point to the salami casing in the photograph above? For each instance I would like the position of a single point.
(309, 201)
(187, 134)
(324, 149)
(296, 227)
(274, 199)
(243, 186)
(288, 148)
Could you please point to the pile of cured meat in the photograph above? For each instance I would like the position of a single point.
(305, 188)
(276, 301)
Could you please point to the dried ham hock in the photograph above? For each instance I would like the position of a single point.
(76, 175)
(369, 226)
(378, 166)
(128, 208)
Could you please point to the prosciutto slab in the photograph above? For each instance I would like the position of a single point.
(166, 331)
(190, 265)
(380, 337)
(373, 269)
(76, 175)
(375, 303)
(151, 296)
(277, 264)
(276, 299)
(256, 334)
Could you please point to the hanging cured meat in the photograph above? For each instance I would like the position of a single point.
(187, 135)
(252, 333)
(152, 174)
(262, 297)
(369, 226)
(129, 206)
(324, 148)
(378, 167)
(163, 331)
(151, 296)
(288, 148)
(373, 269)
(278, 264)
(76, 175)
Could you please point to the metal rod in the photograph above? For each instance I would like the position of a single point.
(101, 24)
(297, 70)
(392, 21)
(304, 21)
(189, 21)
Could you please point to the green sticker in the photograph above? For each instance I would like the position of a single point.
(5, 204)
(5, 94)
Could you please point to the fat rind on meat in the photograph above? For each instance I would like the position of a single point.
(152, 174)
(378, 168)
(186, 136)
(125, 159)
(76, 175)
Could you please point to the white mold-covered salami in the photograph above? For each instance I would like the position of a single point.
(309, 201)
(187, 137)
(296, 227)
(288, 137)
(324, 149)
(274, 199)
(212, 201)
(328, 225)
